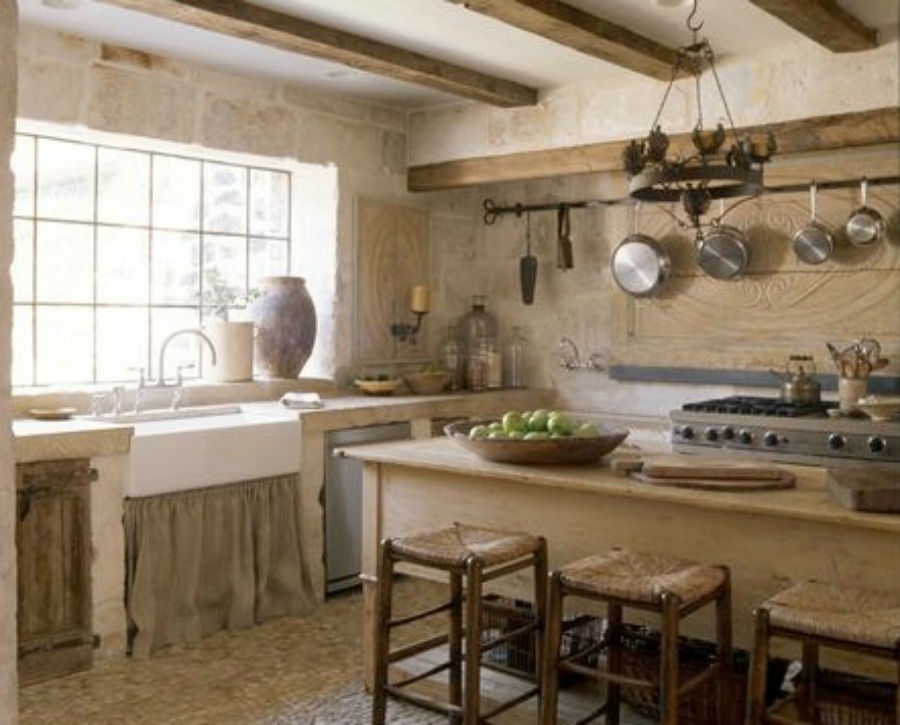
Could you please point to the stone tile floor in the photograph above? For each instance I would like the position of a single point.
(289, 671)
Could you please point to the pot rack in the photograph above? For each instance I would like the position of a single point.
(492, 210)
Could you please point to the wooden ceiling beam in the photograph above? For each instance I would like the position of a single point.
(819, 133)
(243, 20)
(582, 32)
(823, 21)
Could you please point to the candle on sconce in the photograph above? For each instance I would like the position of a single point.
(420, 298)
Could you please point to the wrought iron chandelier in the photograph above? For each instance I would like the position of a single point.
(721, 164)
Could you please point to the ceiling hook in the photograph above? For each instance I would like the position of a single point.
(690, 25)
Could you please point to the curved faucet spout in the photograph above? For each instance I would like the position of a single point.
(161, 381)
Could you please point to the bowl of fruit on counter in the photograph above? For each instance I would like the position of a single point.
(537, 437)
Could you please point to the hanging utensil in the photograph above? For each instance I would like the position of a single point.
(813, 243)
(564, 257)
(528, 267)
(865, 225)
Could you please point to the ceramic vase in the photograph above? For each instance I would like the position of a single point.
(285, 318)
(850, 390)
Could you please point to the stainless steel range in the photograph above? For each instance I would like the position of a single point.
(779, 431)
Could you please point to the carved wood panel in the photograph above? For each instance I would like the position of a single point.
(392, 257)
(779, 305)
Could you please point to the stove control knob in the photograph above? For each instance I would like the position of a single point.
(686, 432)
(744, 436)
(876, 444)
(770, 438)
(727, 432)
(711, 434)
(836, 441)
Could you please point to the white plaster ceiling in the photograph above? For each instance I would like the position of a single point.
(446, 30)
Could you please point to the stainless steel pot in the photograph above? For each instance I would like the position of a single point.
(865, 225)
(640, 266)
(813, 243)
(723, 253)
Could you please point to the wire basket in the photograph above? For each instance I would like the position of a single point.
(845, 699)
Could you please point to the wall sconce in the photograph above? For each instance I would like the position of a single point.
(419, 307)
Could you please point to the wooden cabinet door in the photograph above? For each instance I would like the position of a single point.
(53, 539)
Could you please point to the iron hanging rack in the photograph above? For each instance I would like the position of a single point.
(493, 210)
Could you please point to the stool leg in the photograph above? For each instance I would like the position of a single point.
(759, 664)
(615, 622)
(809, 676)
(456, 637)
(668, 668)
(382, 633)
(472, 694)
(552, 642)
(540, 611)
(724, 648)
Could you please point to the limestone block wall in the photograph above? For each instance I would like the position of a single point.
(785, 84)
(8, 674)
(73, 81)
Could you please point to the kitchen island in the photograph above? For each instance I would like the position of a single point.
(768, 538)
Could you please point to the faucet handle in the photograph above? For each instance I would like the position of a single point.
(179, 378)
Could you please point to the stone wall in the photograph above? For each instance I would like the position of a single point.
(8, 676)
(75, 82)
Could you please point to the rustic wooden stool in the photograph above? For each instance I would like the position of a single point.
(472, 556)
(833, 616)
(672, 588)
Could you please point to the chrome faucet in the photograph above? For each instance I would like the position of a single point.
(161, 380)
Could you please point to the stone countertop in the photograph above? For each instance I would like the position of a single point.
(808, 500)
(81, 436)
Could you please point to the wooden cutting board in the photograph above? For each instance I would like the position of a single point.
(709, 467)
(785, 479)
(863, 490)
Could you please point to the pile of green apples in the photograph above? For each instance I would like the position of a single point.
(533, 425)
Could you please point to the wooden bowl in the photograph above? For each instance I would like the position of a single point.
(427, 383)
(536, 452)
(879, 408)
(378, 387)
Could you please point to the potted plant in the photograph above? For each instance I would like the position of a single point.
(232, 339)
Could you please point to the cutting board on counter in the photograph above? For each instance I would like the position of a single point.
(707, 473)
(863, 490)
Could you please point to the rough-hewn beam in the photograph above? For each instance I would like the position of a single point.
(820, 133)
(583, 32)
(286, 32)
(824, 21)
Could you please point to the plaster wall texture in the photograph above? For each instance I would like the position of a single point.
(789, 83)
(8, 673)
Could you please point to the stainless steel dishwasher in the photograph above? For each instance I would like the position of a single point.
(343, 501)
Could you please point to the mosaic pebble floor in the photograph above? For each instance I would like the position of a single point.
(288, 671)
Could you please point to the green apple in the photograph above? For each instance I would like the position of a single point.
(495, 427)
(587, 430)
(537, 435)
(514, 422)
(497, 435)
(537, 421)
(478, 431)
(560, 423)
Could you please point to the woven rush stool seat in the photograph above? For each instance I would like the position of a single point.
(670, 587)
(471, 556)
(820, 614)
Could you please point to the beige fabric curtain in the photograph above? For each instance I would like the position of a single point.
(225, 557)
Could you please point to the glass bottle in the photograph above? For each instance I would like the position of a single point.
(477, 326)
(477, 365)
(453, 358)
(516, 348)
(494, 360)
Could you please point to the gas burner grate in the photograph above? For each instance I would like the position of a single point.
(751, 405)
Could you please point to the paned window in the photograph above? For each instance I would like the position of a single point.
(116, 247)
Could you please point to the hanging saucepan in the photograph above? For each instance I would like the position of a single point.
(528, 267)
(722, 252)
(865, 225)
(813, 243)
(640, 266)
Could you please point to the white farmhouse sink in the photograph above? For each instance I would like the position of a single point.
(210, 450)
(200, 411)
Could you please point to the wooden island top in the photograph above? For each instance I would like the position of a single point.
(768, 538)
